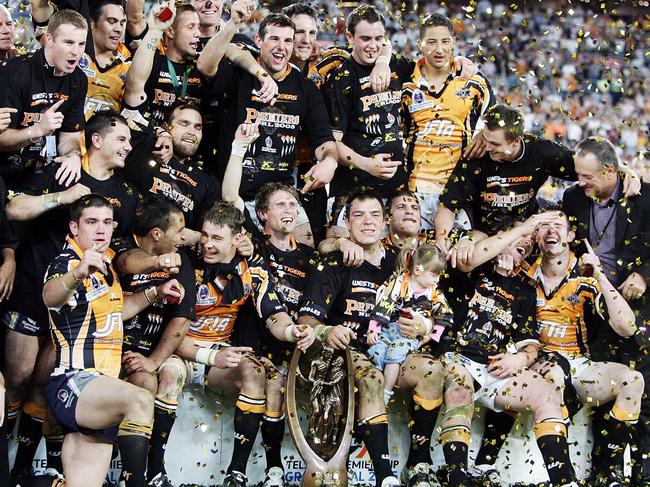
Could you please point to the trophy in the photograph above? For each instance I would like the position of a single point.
(327, 375)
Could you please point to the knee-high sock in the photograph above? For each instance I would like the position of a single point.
(424, 413)
(272, 435)
(13, 412)
(497, 427)
(455, 445)
(164, 415)
(551, 438)
(248, 414)
(53, 434)
(30, 432)
(374, 432)
(133, 438)
(618, 424)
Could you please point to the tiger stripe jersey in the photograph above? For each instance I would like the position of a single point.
(105, 85)
(222, 290)
(439, 125)
(87, 331)
(565, 316)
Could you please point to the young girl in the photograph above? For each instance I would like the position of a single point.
(412, 290)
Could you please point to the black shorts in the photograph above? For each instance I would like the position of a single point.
(62, 393)
(23, 324)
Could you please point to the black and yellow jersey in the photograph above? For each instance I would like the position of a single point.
(565, 316)
(328, 61)
(222, 290)
(105, 85)
(346, 295)
(438, 126)
(87, 331)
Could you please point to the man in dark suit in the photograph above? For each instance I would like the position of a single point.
(618, 229)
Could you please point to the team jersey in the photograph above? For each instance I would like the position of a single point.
(290, 273)
(191, 189)
(328, 61)
(143, 332)
(495, 192)
(47, 234)
(424, 237)
(222, 290)
(439, 125)
(105, 85)
(87, 331)
(565, 316)
(346, 295)
(397, 295)
(28, 84)
(370, 122)
(168, 81)
(498, 311)
(299, 110)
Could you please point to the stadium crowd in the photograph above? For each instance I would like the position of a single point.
(189, 195)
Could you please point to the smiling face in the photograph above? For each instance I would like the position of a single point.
(209, 12)
(436, 45)
(217, 243)
(186, 131)
(404, 216)
(282, 212)
(305, 36)
(499, 148)
(365, 221)
(520, 249)
(367, 42)
(276, 48)
(64, 48)
(553, 239)
(597, 182)
(172, 239)
(114, 146)
(109, 29)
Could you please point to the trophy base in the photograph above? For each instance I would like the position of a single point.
(315, 477)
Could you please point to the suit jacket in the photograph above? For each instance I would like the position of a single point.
(632, 247)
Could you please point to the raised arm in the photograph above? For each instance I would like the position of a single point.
(142, 64)
(244, 136)
(215, 49)
(135, 21)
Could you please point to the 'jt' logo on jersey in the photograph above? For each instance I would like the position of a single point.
(113, 321)
(440, 128)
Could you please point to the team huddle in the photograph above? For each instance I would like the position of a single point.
(183, 204)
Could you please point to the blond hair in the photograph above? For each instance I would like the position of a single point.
(426, 257)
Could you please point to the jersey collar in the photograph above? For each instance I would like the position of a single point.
(292, 239)
(419, 79)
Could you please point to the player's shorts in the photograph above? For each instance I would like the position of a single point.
(25, 325)
(392, 347)
(429, 203)
(62, 393)
(488, 385)
(577, 366)
(301, 218)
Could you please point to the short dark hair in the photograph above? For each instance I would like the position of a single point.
(275, 19)
(300, 8)
(506, 118)
(154, 211)
(96, 12)
(435, 20)
(66, 16)
(92, 200)
(601, 148)
(364, 12)
(102, 123)
(181, 104)
(224, 214)
(363, 194)
(397, 194)
(265, 192)
(181, 8)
